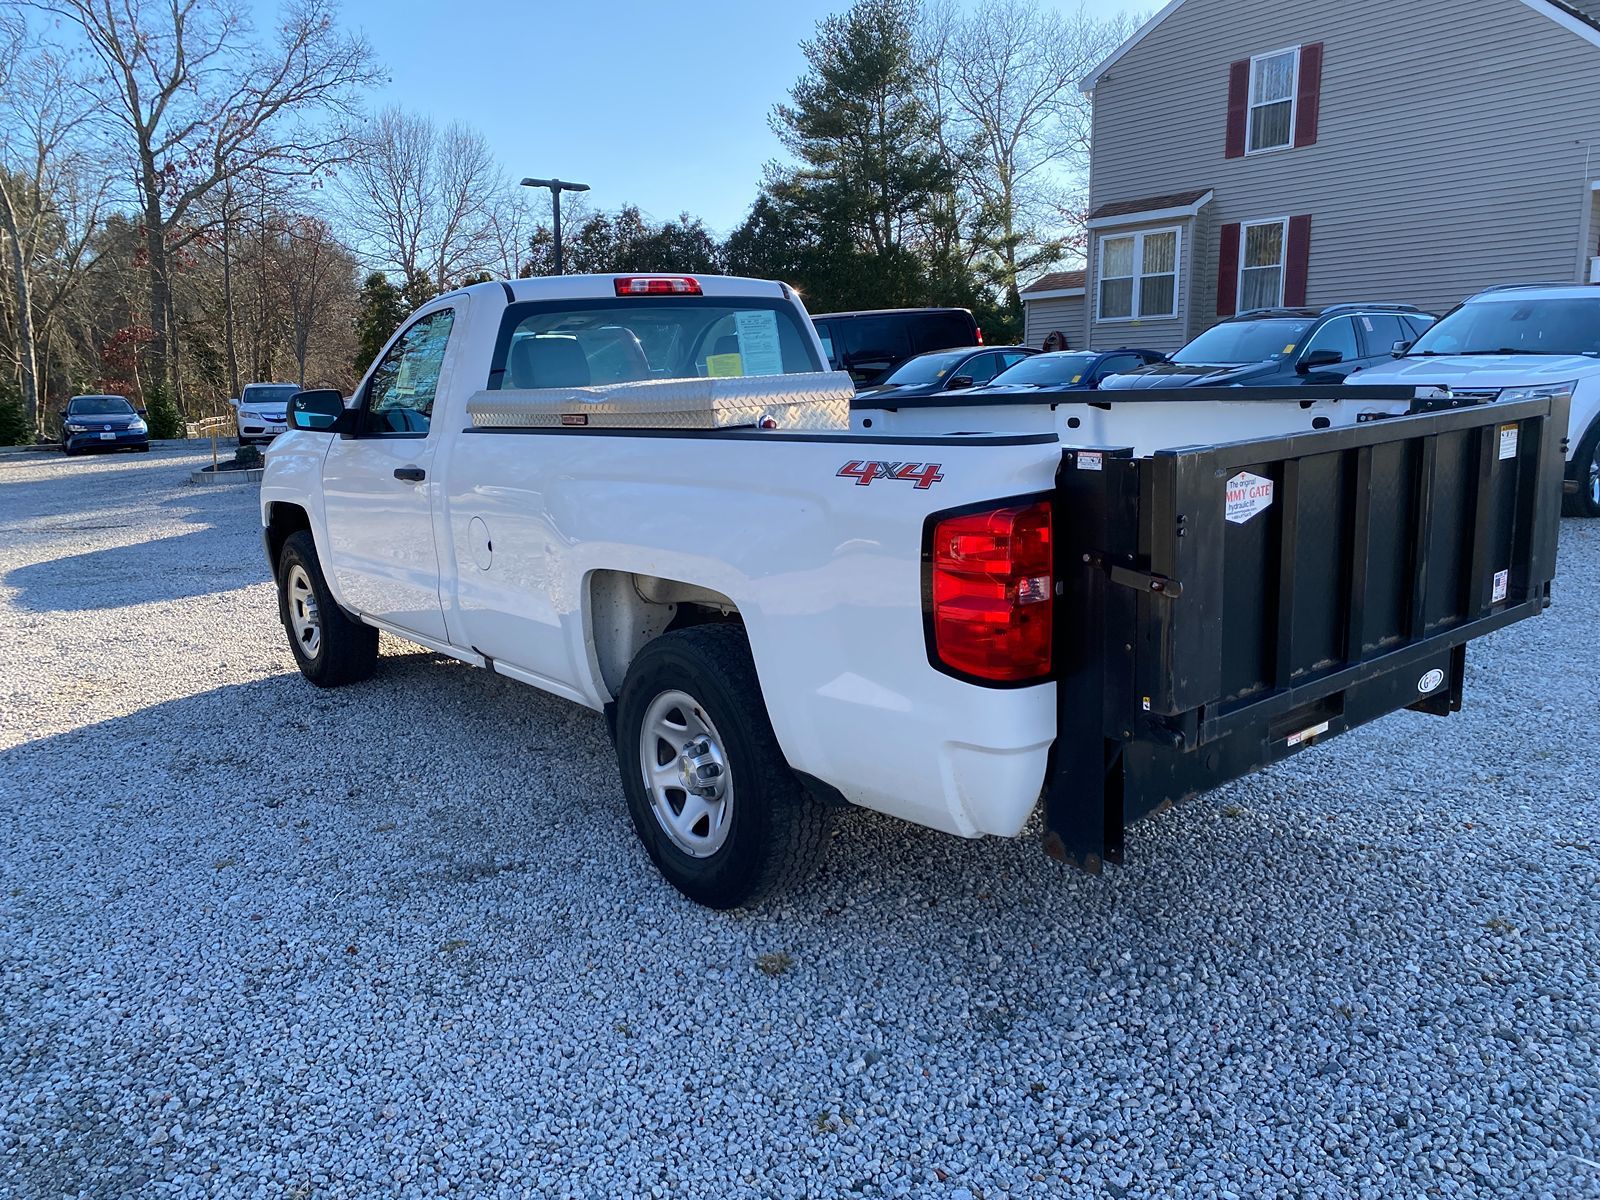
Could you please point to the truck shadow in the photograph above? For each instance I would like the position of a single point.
(118, 576)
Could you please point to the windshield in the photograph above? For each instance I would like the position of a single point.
(271, 393)
(589, 343)
(1513, 326)
(99, 406)
(928, 368)
(1060, 370)
(1239, 342)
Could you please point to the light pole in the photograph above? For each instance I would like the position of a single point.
(557, 186)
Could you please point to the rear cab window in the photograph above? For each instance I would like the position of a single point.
(596, 342)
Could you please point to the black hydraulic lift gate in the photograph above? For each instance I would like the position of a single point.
(1192, 649)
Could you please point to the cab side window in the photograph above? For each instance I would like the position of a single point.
(982, 368)
(400, 394)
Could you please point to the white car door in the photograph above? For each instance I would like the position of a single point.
(377, 487)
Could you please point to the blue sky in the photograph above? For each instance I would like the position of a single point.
(663, 105)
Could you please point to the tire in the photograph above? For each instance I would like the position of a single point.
(1587, 464)
(330, 647)
(762, 833)
(144, 449)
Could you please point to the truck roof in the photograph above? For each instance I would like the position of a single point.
(597, 287)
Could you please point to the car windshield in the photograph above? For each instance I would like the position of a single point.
(269, 393)
(1513, 326)
(585, 343)
(1239, 342)
(928, 368)
(99, 406)
(1061, 370)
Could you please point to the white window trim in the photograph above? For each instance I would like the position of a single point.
(1283, 263)
(1294, 101)
(1138, 236)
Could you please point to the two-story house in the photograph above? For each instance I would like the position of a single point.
(1254, 153)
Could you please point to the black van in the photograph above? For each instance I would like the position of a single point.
(870, 344)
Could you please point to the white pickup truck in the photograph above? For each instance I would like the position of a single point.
(644, 494)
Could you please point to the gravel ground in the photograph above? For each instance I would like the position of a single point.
(399, 940)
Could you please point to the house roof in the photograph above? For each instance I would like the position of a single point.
(1058, 281)
(1582, 17)
(1124, 208)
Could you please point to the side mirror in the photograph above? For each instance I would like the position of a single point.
(1399, 348)
(321, 411)
(1318, 359)
(142, 412)
(958, 382)
(233, 401)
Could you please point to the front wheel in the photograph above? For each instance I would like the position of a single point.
(1586, 465)
(330, 648)
(710, 794)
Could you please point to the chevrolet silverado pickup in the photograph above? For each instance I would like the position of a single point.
(648, 495)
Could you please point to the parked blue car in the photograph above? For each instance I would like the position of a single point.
(91, 423)
(1068, 370)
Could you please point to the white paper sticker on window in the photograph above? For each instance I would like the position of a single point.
(758, 342)
(1502, 584)
(1366, 323)
(1508, 441)
(1247, 495)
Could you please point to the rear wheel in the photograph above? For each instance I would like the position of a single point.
(330, 648)
(711, 796)
(1586, 468)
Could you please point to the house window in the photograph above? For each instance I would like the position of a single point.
(1274, 80)
(1261, 264)
(1139, 275)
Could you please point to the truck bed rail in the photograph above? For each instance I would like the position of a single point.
(1226, 606)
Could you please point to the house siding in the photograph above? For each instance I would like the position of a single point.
(1041, 316)
(1455, 144)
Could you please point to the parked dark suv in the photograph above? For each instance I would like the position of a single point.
(1281, 347)
(870, 344)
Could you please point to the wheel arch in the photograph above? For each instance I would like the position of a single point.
(626, 610)
(283, 519)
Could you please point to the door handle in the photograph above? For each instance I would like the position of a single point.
(410, 474)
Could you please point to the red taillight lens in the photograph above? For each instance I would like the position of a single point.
(993, 583)
(657, 285)
(979, 328)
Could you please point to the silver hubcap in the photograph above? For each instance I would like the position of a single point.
(686, 774)
(304, 619)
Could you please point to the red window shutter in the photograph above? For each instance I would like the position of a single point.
(1228, 271)
(1296, 261)
(1309, 101)
(1238, 107)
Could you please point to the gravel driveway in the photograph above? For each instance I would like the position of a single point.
(260, 940)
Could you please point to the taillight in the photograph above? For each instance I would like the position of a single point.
(979, 330)
(992, 585)
(657, 285)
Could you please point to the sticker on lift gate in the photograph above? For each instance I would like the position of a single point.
(1248, 495)
(1091, 460)
(1502, 585)
(1430, 682)
(1508, 441)
(1305, 735)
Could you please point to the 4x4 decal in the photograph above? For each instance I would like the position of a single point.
(925, 475)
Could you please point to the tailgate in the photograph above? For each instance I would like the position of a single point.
(1226, 606)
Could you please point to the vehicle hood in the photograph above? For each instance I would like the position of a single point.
(1479, 370)
(1170, 374)
(1023, 389)
(885, 390)
(275, 411)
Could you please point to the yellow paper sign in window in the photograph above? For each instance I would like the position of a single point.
(724, 366)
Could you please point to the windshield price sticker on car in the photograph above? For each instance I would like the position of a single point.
(757, 331)
(1247, 495)
(1508, 441)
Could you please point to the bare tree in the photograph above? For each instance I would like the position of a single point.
(50, 194)
(1006, 81)
(200, 100)
(317, 272)
(423, 201)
